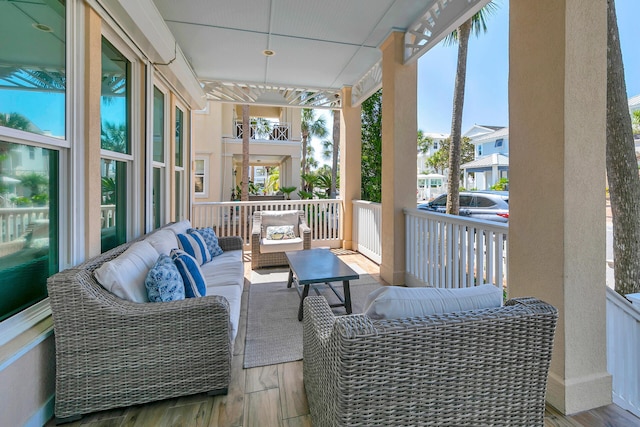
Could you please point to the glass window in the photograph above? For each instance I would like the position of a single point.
(499, 142)
(158, 125)
(199, 177)
(479, 150)
(465, 201)
(179, 137)
(28, 225)
(441, 201)
(32, 67)
(484, 202)
(113, 209)
(179, 177)
(114, 100)
(157, 197)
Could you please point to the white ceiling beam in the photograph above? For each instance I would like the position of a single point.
(442, 18)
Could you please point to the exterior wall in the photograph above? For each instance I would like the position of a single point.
(208, 128)
(27, 377)
(489, 148)
(559, 68)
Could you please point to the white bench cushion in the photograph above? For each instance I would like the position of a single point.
(224, 270)
(270, 246)
(233, 294)
(397, 302)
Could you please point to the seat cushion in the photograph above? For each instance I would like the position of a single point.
(280, 232)
(164, 282)
(224, 270)
(194, 284)
(397, 302)
(270, 246)
(124, 275)
(163, 241)
(233, 294)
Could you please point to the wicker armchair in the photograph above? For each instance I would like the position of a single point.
(476, 368)
(113, 353)
(262, 256)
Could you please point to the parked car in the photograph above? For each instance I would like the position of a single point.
(487, 205)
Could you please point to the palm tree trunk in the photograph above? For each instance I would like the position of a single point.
(303, 163)
(334, 158)
(453, 196)
(245, 153)
(622, 169)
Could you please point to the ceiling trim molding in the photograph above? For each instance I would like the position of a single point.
(442, 18)
(367, 85)
(265, 94)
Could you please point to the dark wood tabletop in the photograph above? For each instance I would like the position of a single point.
(319, 265)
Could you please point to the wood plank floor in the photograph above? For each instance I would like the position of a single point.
(274, 396)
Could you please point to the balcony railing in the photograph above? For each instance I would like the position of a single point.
(14, 222)
(236, 218)
(454, 252)
(274, 132)
(367, 223)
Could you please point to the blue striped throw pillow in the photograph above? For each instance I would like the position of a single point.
(194, 245)
(194, 284)
(210, 239)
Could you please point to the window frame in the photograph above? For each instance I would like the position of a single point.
(155, 80)
(205, 177)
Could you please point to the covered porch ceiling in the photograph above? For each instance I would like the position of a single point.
(297, 52)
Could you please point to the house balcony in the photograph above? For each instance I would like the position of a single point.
(275, 131)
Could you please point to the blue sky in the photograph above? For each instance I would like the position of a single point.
(486, 97)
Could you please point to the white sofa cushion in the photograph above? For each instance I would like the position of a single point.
(125, 275)
(163, 241)
(233, 294)
(397, 302)
(180, 227)
(269, 246)
(270, 218)
(224, 270)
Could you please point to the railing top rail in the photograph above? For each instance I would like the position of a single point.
(496, 227)
(271, 202)
(24, 209)
(365, 202)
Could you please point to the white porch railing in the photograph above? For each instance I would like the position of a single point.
(235, 218)
(623, 350)
(454, 252)
(15, 221)
(367, 223)
(275, 131)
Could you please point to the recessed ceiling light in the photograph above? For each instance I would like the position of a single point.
(268, 52)
(42, 27)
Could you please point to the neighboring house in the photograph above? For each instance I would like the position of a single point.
(491, 157)
(217, 136)
(634, 105)
(422, 157)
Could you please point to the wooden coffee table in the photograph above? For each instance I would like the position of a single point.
(319, 267)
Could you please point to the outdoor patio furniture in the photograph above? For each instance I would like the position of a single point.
(267, 252)
(474, 368)
(111, 352)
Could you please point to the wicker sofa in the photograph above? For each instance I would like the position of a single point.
(270, 253)
(111, 352)
(475, 368)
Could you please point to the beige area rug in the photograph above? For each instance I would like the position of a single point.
(274, 334)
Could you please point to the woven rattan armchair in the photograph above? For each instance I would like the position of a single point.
(476, 368)
(113, 353)
(263, 257)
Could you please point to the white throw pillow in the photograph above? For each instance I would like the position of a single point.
(396, 302)
(162, 241)
(125, 275)
(179, 227)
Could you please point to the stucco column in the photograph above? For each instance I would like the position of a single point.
(399, 153)
(295, 179)
(92, 93)
(557, 100)
(350, 163)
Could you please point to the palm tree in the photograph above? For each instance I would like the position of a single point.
(477, 24)
(635, 120)
(311, 127)
(244, 193)
(424, 142)
(331, 149)
(622, 168)
(15, 121)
